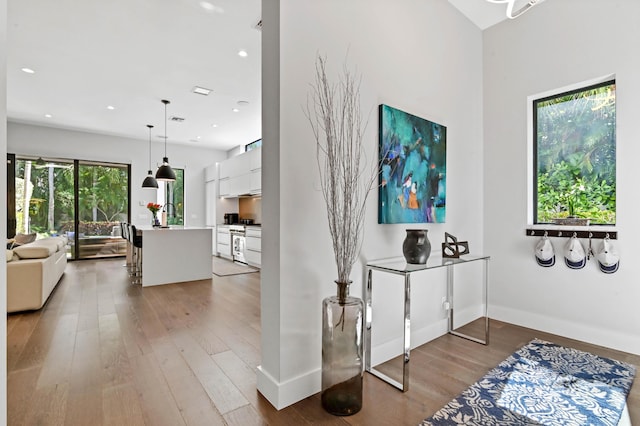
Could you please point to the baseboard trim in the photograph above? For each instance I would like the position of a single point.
(282, 395)
(585, 332)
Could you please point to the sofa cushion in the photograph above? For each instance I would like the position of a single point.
(20, 239)
(37, 250)
(60, 241)
(9, 255)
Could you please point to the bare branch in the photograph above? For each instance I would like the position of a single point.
(336, 121)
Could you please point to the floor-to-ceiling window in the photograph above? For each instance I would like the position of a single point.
(172, 198)
(83, 200)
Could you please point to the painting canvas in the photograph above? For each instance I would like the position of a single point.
(413, 175)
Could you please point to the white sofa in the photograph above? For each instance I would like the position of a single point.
(33, 271)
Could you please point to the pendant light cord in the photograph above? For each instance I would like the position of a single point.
(165, 102)
(150, 127)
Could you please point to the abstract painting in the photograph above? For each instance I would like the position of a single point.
(413, 175)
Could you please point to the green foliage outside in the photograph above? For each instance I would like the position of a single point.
(576, 147)
(49, 195)
(174, 193)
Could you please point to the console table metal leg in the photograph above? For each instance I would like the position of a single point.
(368, 365)
(407, 332)
(450, 322)
(367, 322)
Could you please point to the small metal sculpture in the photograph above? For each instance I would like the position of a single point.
(452, 248)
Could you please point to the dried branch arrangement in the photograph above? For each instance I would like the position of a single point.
(334, 114)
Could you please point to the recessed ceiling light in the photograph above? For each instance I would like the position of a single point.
(214, 125)
(243, 53)
(197, 137)
(111, 107)
(201, 90)
(28, 70)
(235, 110)
(48, 115)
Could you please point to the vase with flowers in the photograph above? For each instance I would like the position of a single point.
(338, 128)
(154, 209)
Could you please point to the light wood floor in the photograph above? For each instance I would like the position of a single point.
(106, 352)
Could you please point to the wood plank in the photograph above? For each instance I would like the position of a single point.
(88, 308)
(222, 391)
(22, 327)
(84, 408)
(158, 405)
(192, 399)
(121, 406)
(48, 405)
(56, 368)
(20, 389)
(187, 353)
(242, 375)
(244, 416)
(113, 358)
(86, 372)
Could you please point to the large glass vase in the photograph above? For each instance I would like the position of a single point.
(342, 352)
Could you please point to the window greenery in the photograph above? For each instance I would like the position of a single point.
(575, 149)
(174, 196)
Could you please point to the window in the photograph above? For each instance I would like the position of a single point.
(173, 193)
(574, 136)
(253, 145)
(83, 200)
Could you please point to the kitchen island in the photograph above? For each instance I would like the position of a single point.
(175, 254)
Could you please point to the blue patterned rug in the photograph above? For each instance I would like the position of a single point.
(543, 384)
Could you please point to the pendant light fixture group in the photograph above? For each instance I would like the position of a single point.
(150, 181)
(165, 172)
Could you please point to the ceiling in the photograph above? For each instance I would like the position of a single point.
(130, 54)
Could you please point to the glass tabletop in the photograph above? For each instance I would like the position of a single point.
(400, 265)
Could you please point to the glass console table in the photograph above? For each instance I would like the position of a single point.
(399, 266)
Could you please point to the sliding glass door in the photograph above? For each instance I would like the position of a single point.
(103, 202)
(83, 200)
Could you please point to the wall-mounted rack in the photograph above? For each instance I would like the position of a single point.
(568, 233)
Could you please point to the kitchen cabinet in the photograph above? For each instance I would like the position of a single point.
(210, 203)
(211, 173)
(242, 174)
(253, 246)
(223, 238)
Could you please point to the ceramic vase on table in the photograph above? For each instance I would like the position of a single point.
(416, 246)
(342, 352)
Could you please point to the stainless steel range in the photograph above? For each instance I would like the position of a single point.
(238, 243)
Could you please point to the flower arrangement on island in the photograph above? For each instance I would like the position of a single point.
(154, 208)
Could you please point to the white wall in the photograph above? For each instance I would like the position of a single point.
(39, 141)
(421, 57)
(3, 212)
(556, 44)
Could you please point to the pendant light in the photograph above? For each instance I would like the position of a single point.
(150, 181)
(165, 172)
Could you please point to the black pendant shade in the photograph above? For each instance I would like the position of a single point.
(150, 181)
(165, 172)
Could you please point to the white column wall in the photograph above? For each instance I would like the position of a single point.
(3, 212)
(421, 57)
(556, 44)
(42, 141)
